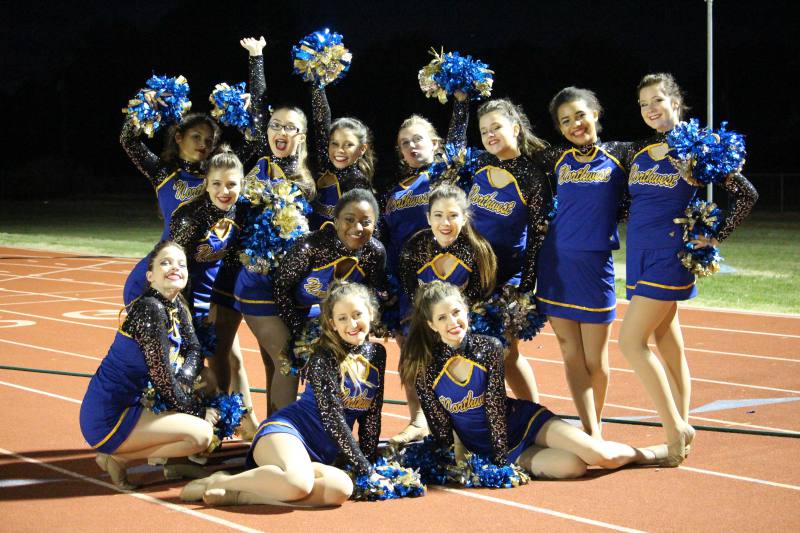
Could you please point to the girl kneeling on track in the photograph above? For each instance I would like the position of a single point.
(291, 454)
(460, 383)
(156, 351)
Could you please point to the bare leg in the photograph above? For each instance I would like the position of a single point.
(669, 341)
(559, 435)
(595, 347)
(273, 335)
(519, 374)
(417, 427)
(285, 474)
(226, 326)
(568, 333)
(644, 315)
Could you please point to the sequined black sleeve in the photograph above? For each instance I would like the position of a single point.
(324, 377)
(538, 196)
(321, 118)
(437, 416)
(373, 259)
(489, 352)
(369, 424)
(623, 152)
(247, 148)
(148, 324)
(457, 132)
(183, 229)
(412, 256)
(743, 197)
(145, 160)
(293, 266)
(190, 349)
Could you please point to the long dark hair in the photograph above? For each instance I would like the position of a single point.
(671, 89)
(571, 94)
(170, 152)
(417, 352)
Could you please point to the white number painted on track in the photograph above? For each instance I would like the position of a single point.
(16, 323)
(94, 314)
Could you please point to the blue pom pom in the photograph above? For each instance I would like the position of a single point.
(397, 482)
(206, 334)
(231, 107)
(709, 156)
(480, 471)
(451, 72)
(433, 462)
(321, 58)
(704, 220)
(152, 400)
(163, 101)
(553, 209)
(231, 410)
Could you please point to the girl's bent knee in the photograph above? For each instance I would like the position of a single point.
(300, 484)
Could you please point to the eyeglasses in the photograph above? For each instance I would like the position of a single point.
(289, 129)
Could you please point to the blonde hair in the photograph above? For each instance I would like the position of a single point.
(484, 255)
(329, 339)
(527, 141)
(419, 120)
(417, 352)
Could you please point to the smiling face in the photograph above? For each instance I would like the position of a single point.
(659, 111)
(351, 318)
(416, 145)
(446, 218)
(499, 135)
(223, 187)
(168, 274)
(449, 320)
(195, 144)
(285, 132)
(344, 148)
(355, 224)
(578, 122)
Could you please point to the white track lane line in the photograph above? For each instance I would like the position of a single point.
(61, 298)
(91, 268)
(540, 510)
(58, 271)
(623, 302)
(138, 495)
(71, 354)
(6, 311)
(460, 492)
(699, 380)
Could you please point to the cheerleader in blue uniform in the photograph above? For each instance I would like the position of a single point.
(344, 251)
(575, 283)
(156, 349)
(459, 380)
(177, 175)
(656, 279)
(205, 227)
(290, 458)
(508, 197)
(344, 158)
(406, 210)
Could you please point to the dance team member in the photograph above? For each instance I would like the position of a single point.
(155, 347)
(252, 295)
(344, 157)
(575, 283)
(508, 198)
(344, 251)
(459, 380)
(656, 279)
(291, 456)
(406, 213)
(205, 227)
(177, 175)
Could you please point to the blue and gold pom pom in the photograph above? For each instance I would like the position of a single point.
(703, 219)
(451, 72)
(270, 231)
(231, 410)
(507, 313)
(455, 166)
(479, 471)
(321, 58)
(163, 101)
(231, 107)
(301, 349)
(434, 463)
(152, 400)
(388, 480)
(705, 156)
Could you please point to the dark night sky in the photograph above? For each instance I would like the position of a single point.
(69, 68)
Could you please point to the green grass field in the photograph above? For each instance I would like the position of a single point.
(763, 253)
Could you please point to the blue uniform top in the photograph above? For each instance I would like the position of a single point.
(589, 197)
(204, 231)
(658, 196)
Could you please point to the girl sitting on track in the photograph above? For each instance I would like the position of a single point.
(155, 348)
(459, 380)
(205, 227)
(656, 279)
(575, 283)
(291, 453)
